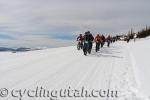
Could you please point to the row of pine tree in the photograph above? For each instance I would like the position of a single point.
(144, 33)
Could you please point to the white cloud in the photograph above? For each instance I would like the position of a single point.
(22, 18)
(35, 41)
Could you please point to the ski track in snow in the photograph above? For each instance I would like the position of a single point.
(58, 68)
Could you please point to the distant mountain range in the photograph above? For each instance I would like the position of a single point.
(22, 49)
(6, 49)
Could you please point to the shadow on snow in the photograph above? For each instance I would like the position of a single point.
(110, 52)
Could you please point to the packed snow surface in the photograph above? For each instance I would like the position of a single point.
(140, 53)
(110, 69)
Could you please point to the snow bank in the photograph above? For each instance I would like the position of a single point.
(140, 51)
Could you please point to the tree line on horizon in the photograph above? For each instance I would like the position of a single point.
(140, 34)
(144, 33)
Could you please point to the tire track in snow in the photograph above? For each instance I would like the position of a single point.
(22, 62)
(77, 70)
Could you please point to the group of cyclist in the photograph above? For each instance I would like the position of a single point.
(85, 42)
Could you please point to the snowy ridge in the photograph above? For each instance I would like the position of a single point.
(140, 55)
(136, 90)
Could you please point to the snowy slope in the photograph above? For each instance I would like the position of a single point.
(140, 51)
(61, 68)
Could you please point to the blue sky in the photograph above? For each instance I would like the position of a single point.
(26, 22)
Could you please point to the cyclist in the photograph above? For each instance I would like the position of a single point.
(88, 42)
(103, 40)
(98, 40)
(80, 39)
(108, 40)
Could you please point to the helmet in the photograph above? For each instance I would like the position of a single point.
(86, 33)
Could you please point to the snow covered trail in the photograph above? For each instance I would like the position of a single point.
(65, 68)
(140, 57)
